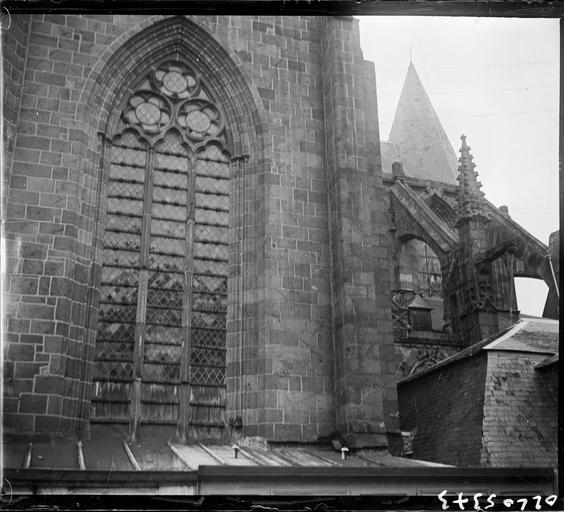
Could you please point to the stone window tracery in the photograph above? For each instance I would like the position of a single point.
(163, 296)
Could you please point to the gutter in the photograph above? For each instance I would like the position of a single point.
(318, 480)
(374, 480)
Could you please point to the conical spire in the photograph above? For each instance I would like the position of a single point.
(470, 196)
(419, 136)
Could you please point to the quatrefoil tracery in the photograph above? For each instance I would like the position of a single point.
(176, 81)
(149, 111)
(200, 119)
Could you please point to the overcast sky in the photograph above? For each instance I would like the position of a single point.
(497, 81)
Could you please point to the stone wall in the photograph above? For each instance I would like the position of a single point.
(446, 405)
(520, 418)
(303, 174)
(14, 43)
(359, 242)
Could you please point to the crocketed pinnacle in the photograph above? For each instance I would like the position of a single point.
(470, 196)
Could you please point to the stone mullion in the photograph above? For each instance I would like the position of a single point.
(141, 318)
(185, 351)
(242, 241)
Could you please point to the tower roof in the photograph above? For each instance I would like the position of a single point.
(419, 137)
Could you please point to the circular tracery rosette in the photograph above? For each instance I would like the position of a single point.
(200, 119)
(176, 81)
(147, 110)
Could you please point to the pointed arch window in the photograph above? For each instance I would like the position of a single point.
(163, 295)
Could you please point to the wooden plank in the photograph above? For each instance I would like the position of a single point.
(193, 456)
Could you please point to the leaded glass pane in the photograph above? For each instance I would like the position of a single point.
(119, 222)
(169, 228)
(210, 251)
(208, 338)
(164, 335)
(210, 284)
(207, 319)
(114, 351)
(157, 186)
(118, 258)
(162, 353)
(173, 180)
(122, 240)
(168, 280)
(208, 375)
(117, 313)
(166, 263)
(119, 331)
(213, 267)
(208, 185)
(160, 372)
(113, 371)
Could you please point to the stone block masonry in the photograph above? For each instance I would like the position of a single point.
(308, 329)
(520, 420)
(359, 242)
(447, 407)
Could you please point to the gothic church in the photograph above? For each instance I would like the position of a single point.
(203, 232)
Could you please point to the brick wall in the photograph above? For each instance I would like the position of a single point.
(520, 411)
(268, 74)
(446, 405)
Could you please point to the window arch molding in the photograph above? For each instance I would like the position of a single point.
(149, 42)
(108, 86)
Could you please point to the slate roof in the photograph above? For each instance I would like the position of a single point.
(517, 395)
(107, 449)
(520, 397)
(539, 335)
(419, 137)
(530, 334)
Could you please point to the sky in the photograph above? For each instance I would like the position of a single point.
(497, 81)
